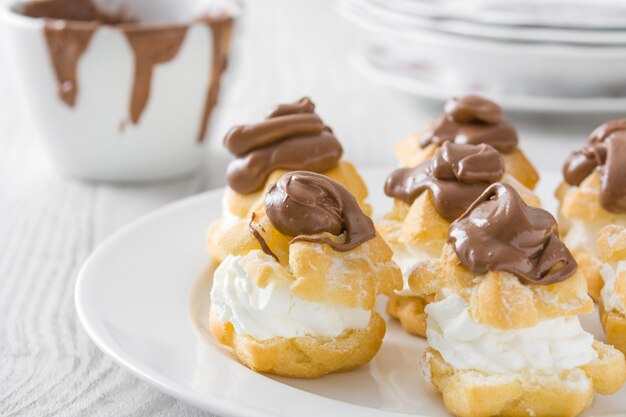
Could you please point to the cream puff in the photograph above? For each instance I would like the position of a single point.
(593, 195)
(612, 250)
(427, 198)
(470, 120)
(504, 335)
(296, 292)
(292, 137)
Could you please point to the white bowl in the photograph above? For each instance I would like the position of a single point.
(94, 139)
(506, 67)
(581, 14)
(476, 29)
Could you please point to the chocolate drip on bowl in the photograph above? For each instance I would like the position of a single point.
(302, 204)
(222, 31)
(292, 137)
(455, 177)
(604, 151)
(472, 120)
(150, 48)
(71, 44)
(499, 232)
(69, 28)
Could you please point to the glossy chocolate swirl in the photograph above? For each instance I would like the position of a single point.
(455, 177)
(499, 232)
(472, 120)
(605, 150)
(304, 203)
(292, 137)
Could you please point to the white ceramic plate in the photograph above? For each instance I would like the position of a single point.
(132, 297)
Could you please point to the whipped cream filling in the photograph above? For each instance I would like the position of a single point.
(274, 311)
(550, 346)
(408, 257)
(582, 235)
(610, 298)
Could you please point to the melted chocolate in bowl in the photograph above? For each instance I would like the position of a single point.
(69, 28)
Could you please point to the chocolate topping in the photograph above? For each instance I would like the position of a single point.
(499, 232)
(244, 139)
(613, 195)
(292, 137)
(304, 105)
(455, 177)
(605, 150)
(581, 163)
(70, 25)
(304, 203)
(472, 120)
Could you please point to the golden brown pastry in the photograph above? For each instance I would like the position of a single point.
(504, 335)
(295, 294)
(427, 199)
(470, 120)
(593, 195)
(292, 137)
(612, 250)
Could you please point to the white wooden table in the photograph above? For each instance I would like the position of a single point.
(49, 224)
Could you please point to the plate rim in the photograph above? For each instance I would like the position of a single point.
(218, 405)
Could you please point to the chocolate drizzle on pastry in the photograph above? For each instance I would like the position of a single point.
(455, 177)
(292, 137)
(257, 235)
(472, 120)
(302, 204)
(605, 150)
(499, 232)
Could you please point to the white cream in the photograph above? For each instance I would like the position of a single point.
(610, 298)
(274, 311)
(550, 346)
(408, 257)
(582, 235)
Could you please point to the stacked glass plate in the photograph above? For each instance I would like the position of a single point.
(544, 55)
